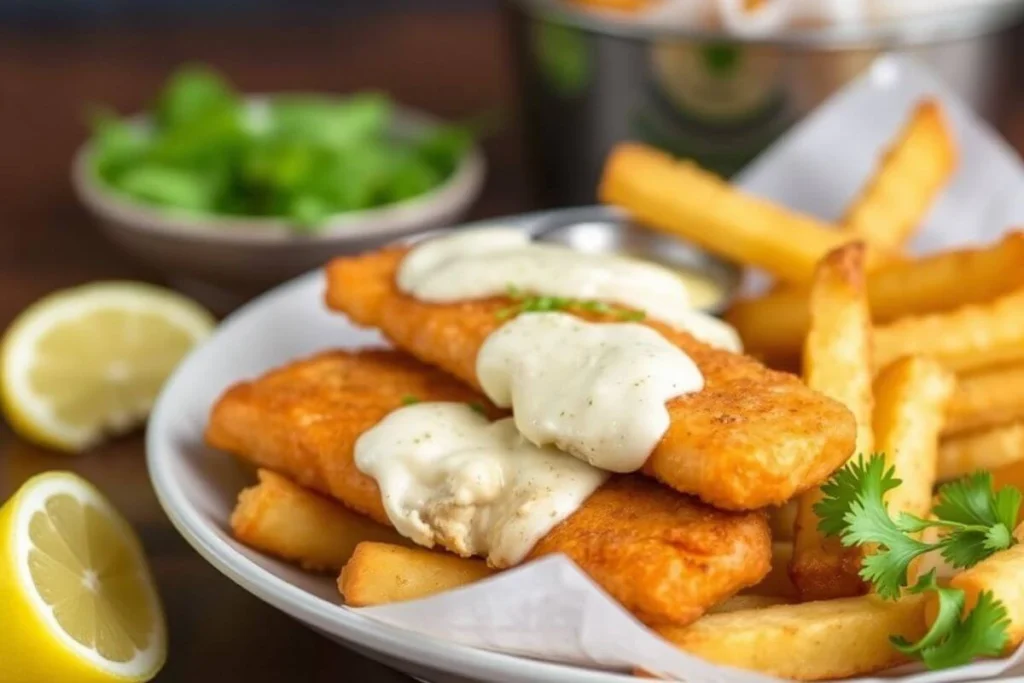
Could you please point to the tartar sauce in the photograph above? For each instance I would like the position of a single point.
(448, 476)
(481, 263)
(594, 390)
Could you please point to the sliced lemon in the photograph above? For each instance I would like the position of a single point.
(89, 361)
(76, 596)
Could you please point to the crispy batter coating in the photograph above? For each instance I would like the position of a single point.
(665, 557)
(753, 437)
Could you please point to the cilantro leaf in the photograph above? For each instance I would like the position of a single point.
(983, 633)
(409, 400)
(854, 509)
(968, 501)
(951, 604)
(1007, 506)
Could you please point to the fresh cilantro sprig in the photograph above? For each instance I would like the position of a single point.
(953, 640)
(976, 522)
(538, 303)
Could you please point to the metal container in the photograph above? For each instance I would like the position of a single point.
(587, 82)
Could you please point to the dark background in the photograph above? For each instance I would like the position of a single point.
(51, 12)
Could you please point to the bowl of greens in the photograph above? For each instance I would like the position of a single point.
(250, 190)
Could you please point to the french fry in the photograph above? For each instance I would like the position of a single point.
(985, 399)
(837, 362)
(781, 520)
(283, 519)
(990, 449)
(777, 583)
(739, 603)
(911, 397)
(774, 325)
(969, 338)
(911, 174)
(381, 573)
(681, 199)
(812, 641)
(1009, 475)
(1000, 575)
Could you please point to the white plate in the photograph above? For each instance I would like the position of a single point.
(197, 487)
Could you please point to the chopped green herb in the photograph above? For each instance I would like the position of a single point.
(478, 407)
(536, 303)
(409, 400)
(976, 521)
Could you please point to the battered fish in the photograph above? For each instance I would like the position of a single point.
(666, 557)
(752, 438)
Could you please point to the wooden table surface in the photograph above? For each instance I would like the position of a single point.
(452, 65)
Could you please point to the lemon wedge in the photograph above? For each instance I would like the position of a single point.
(75, 591)
(89, 361)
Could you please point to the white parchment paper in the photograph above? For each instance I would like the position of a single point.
(549, 609)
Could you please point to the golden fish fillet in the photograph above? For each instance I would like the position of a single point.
(665, 557)
(753, 437)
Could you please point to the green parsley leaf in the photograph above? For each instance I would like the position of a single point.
(952, 641)
(478, 407)
(409, 400)
(951, 604)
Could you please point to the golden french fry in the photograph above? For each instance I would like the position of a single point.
(986, 398)
(781, 519)
(281, 518)
(1009, 475)
(990, 449)
(739, 603)
(837, 362)
(381, 573)
(774, 325)
(683, 200)
(812, 641)
(911, 397)
(969, 338)
(911, 174)
(1000, 575)
(777, 583)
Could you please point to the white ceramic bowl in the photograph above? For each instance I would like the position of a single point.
(247, 254)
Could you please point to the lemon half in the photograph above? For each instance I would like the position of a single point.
(76, 598)
(89, 361)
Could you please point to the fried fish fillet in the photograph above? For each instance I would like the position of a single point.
(753, 437)
(664, 556)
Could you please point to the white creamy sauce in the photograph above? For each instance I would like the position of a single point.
(482, 263)
(450, 477)
(595, 390)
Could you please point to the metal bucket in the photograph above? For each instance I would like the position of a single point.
(587, 83)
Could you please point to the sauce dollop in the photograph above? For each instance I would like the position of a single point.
(595, 390)
(450, 477)
(485, 262)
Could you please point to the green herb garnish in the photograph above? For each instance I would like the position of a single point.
(301, 158)
(976, 522)
(478, 407)
(536, 303)
(409, 400)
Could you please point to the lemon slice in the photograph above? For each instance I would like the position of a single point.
(74, 589)
(89, 361)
